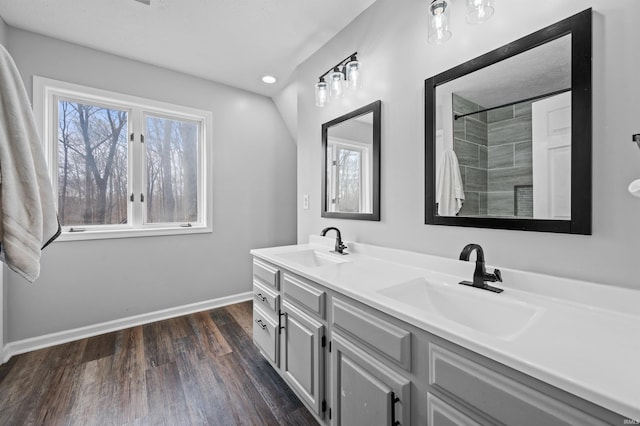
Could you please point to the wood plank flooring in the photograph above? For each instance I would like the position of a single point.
(199, 369)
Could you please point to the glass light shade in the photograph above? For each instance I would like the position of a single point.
(439, 22)
(354, 76)
(322, 94)
(479, 11)
(336, 84)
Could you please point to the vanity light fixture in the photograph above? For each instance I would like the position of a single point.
(332, 84)
(478, 11)
(322, 95)
(352, 72)
(336, 83)
(439, 21)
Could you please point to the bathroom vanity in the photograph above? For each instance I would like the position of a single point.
(388, 337)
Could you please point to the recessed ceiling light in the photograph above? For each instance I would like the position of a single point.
(269, 79)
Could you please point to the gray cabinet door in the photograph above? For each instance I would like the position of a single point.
(363, 390)
(303, 356)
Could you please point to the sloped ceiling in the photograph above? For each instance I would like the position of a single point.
(234, 42)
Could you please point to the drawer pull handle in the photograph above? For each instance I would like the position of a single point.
(261, 297)
(261, 324)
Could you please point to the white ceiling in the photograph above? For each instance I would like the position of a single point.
(541, 70)
(234, 42)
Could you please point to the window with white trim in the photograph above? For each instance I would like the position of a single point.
(122, 165)
(349, 182)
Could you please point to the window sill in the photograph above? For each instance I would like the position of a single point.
(103, 234)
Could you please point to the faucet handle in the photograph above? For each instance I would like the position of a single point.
(496, 276)
(341, 247)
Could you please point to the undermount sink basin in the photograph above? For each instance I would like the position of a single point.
(312, 258)
(481, 310)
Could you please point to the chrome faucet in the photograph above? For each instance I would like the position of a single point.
(339, 244)
(480, 275)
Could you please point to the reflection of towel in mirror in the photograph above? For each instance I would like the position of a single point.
(449, 193)
(28, 219)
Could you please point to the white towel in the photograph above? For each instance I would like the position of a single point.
(449, 192)
(28, 219)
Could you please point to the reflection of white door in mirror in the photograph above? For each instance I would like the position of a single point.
(551, 132)
(348, 176)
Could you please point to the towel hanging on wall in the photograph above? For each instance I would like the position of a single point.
(28, 219)
(449, 192)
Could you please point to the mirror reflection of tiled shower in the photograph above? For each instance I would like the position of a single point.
(494, 151)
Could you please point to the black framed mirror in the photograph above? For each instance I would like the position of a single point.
(508, 135)
(351, 165)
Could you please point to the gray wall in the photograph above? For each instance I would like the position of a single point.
(254, 156)
(287, 103)
(3, 32)
(383, 35)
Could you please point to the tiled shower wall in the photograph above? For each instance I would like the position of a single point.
(494, 153)
(470, 142)
(509, 170)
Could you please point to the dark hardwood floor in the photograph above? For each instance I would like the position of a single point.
(199, 369)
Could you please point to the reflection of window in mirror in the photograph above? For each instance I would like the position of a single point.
(349, 166)
(348, 172)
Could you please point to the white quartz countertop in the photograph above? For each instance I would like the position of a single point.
(581, 337)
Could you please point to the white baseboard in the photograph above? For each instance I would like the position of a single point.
(47, 340)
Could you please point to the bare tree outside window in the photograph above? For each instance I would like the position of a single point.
(172, 170)
(92, 164)
(349, 180)
(124, 166)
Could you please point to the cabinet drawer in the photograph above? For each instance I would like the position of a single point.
(439, 413)
(305, 294)
(391, 341)
(499, 397)
(265, 297)
(265, 334)
(267, 273)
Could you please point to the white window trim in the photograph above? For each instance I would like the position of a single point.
(365, 171)
(45, 90)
